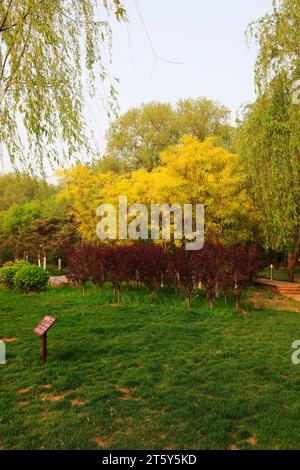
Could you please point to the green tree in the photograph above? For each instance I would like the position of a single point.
(204, 118)
(139, 136)
(36, 228)
(44, 47)
(269, 137)
(19, 216)
(22, 189)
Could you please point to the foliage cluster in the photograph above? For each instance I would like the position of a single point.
(32, 222)
(192, 172)
(45, 48)
(23, 276)
(216, 268)
(269, 134)
(137, 138)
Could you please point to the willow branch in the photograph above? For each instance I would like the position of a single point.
(5, 16)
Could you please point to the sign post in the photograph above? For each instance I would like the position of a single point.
(41, 330)
(2, 353)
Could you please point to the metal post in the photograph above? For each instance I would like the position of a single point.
(271, 272)
(44, 349)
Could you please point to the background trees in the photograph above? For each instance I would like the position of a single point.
(272, 168)
(32, 222)
(137, 138)
(203, 172)
(191, 172)
(44, 47)
(269, 136)
(22, 189)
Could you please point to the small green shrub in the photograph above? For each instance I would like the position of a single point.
(8, 272)
(30, 278)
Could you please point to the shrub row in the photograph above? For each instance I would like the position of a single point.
(218, 269)
(23, 276)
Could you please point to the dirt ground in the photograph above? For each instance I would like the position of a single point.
(265, 299)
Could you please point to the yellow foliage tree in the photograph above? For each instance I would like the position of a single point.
(192, 172)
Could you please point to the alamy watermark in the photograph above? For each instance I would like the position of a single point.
(2, 353)
(164, 222)
(296, 354)
(296, 92)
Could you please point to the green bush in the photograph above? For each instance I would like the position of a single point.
(8, 272)
(30, 278)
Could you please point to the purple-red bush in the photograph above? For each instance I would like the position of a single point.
(85, 263)
(120, 266)
(244, 265)
(227, 270)
(152, 266)
(181, 272)
(213, 269)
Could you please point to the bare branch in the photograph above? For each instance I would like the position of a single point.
(16, 23)
(5, 16)
(82, 22)
(5, 60)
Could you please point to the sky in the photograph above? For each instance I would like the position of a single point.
(175, 49)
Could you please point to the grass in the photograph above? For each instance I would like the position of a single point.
(147, 376)
(280, 274)
(53, 270)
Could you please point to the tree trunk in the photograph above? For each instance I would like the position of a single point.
(83, 292)
(276, 261)
(291, 267)
(292, 260)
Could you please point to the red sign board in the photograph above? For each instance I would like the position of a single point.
(42, 328)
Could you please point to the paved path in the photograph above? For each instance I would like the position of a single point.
(288, 289)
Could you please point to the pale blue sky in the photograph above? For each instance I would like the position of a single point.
(206, 36)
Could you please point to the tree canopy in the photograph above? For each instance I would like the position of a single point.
(191, 172)
(136, 139)
(44, 49)
(32, 220)
(269, 136)
(22, 189)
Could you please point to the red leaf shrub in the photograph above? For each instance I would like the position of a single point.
(85, 263)
(152, 266)
(244, 264)
(182, 273)
(227, 270)
(120, 266)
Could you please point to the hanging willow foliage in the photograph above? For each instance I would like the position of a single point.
(46, 48)
(269, 136)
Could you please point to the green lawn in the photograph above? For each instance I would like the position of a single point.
(280, 274)
(147, 376)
